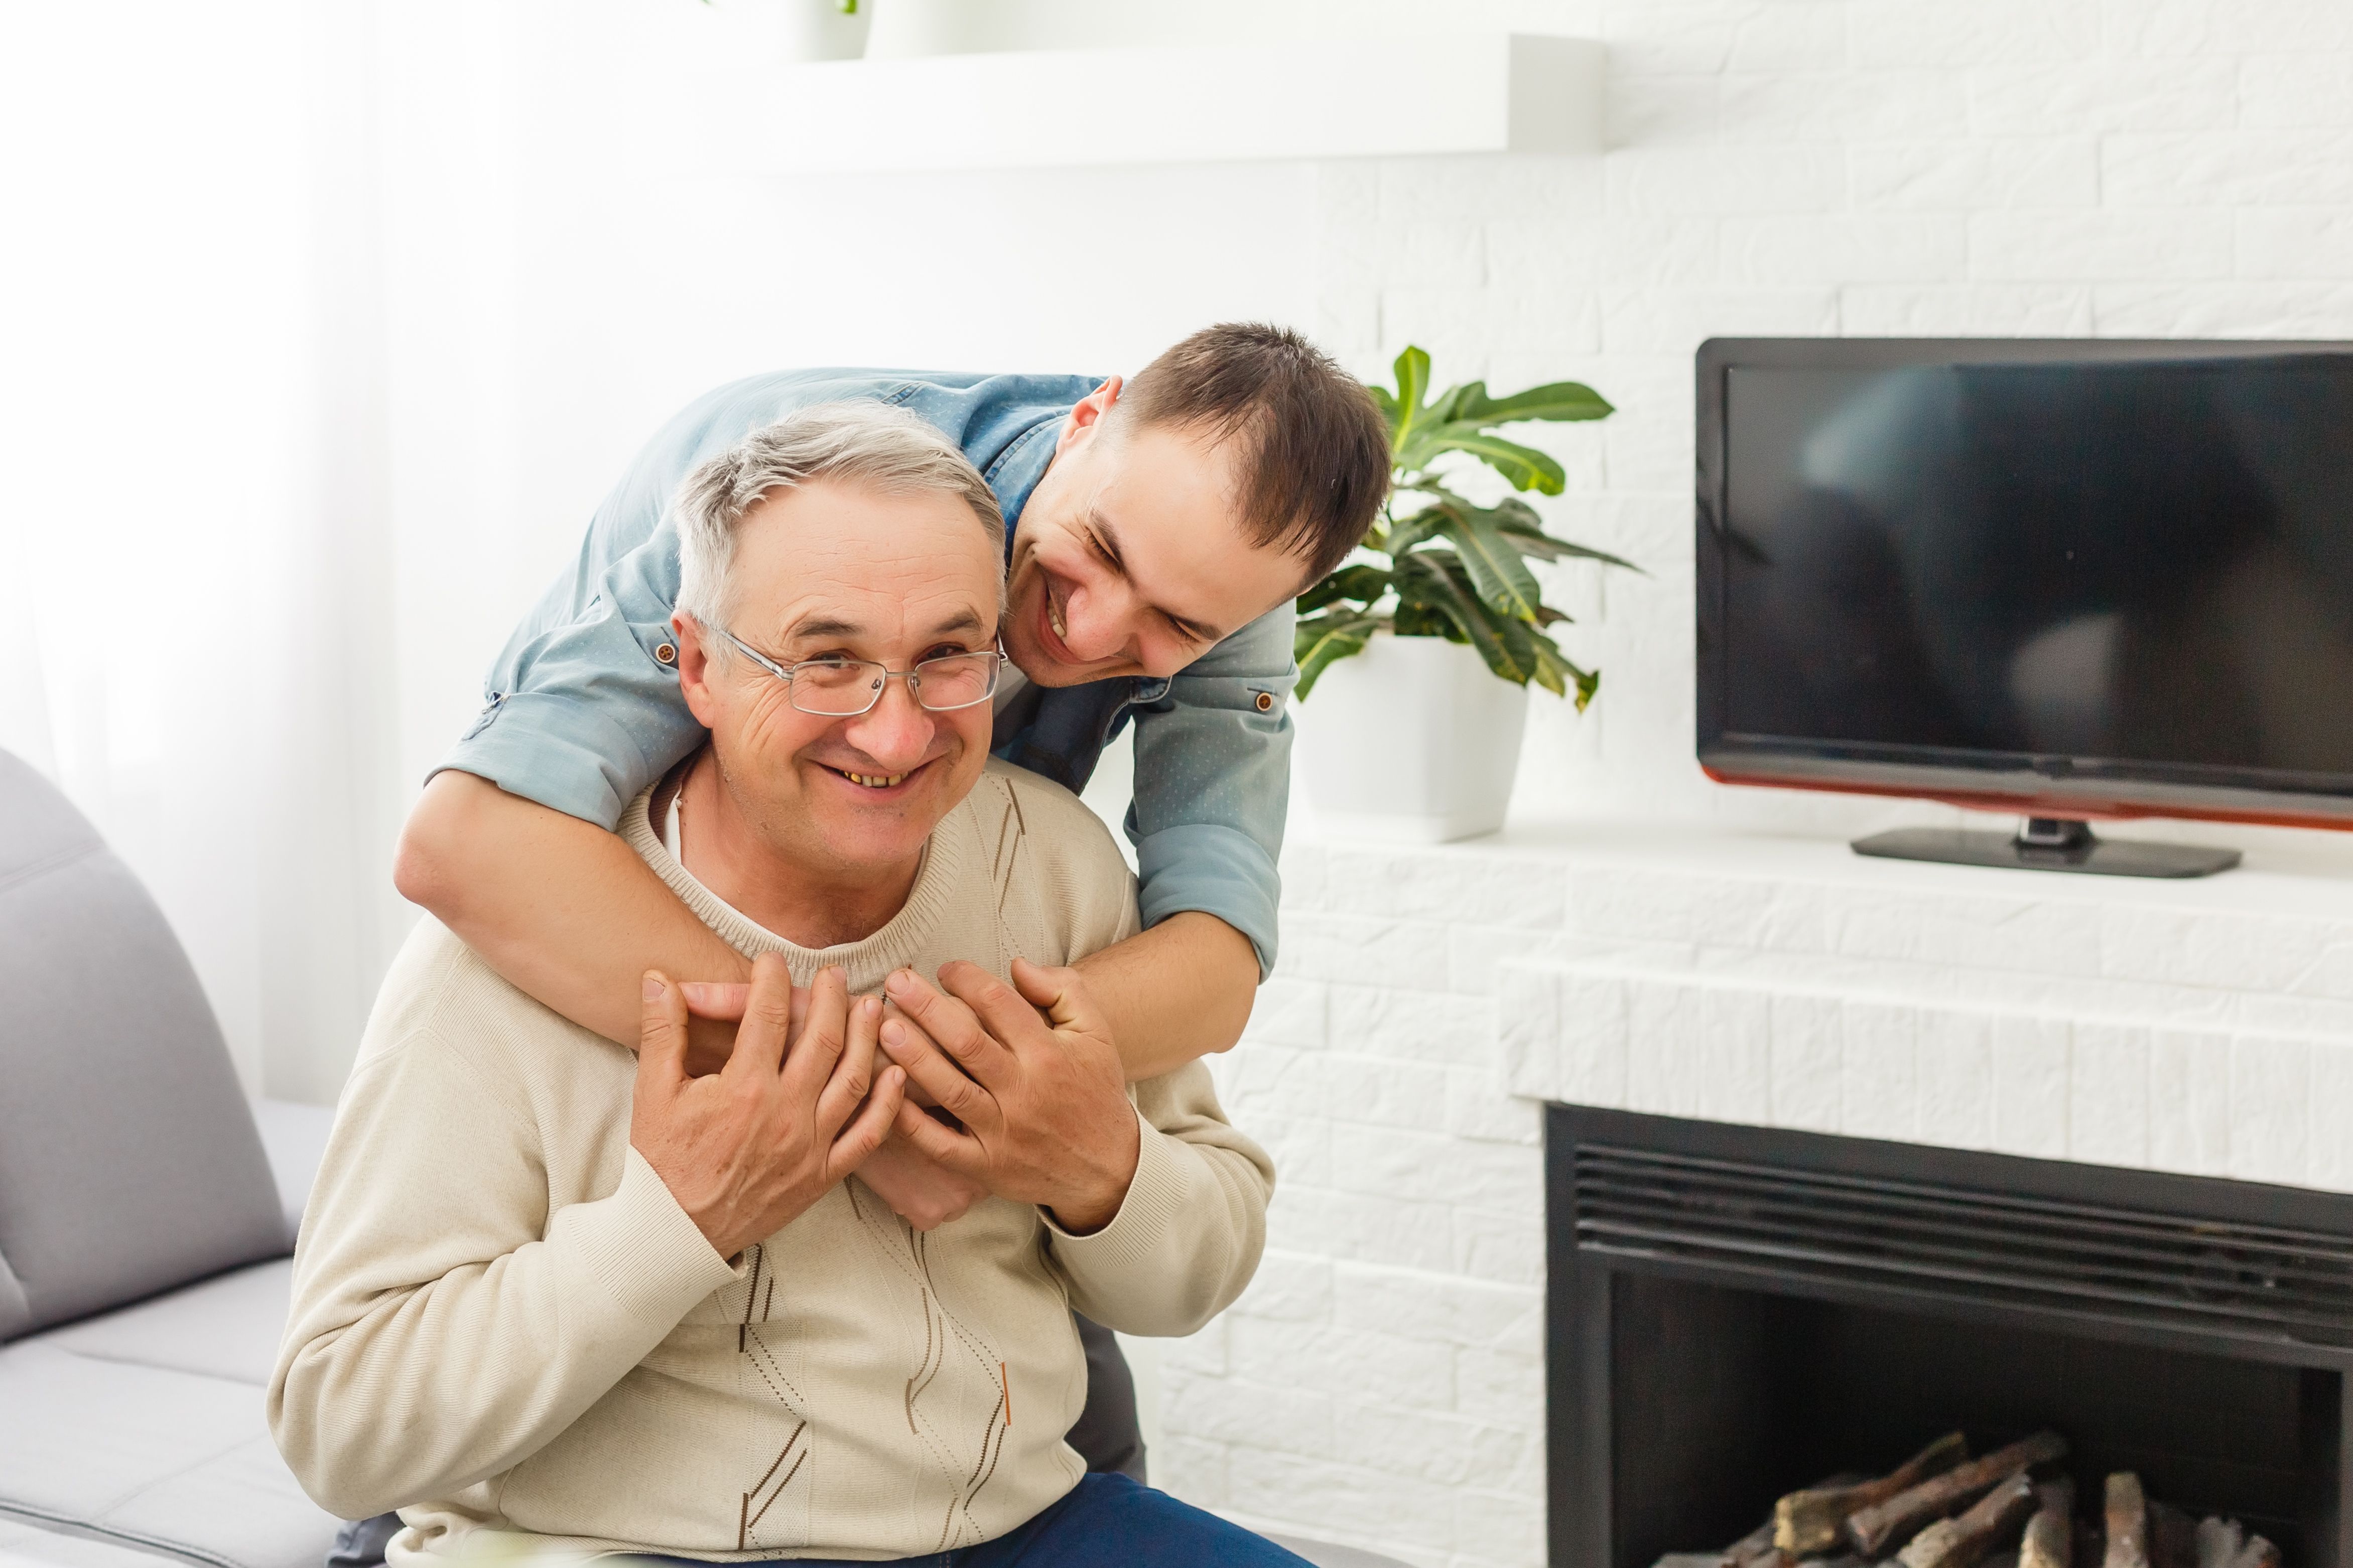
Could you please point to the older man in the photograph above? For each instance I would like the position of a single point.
(549, 1291)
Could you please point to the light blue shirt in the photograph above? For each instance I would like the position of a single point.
(582, 716)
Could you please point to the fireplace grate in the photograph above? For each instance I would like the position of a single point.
(1843, 1230)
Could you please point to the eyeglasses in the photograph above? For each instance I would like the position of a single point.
(845, 688)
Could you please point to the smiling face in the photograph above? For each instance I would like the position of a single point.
(839, 569)
(1129, 558)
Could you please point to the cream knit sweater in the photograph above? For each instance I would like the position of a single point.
(502, 1321)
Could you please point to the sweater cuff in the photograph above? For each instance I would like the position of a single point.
(1138, 1232)
(644, 1249)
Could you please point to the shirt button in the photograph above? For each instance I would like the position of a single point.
(666, 654)
(1266, 701)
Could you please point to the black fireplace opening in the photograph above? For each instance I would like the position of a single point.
(1735, 1313)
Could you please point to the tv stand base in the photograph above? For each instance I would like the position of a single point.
(2049, 843)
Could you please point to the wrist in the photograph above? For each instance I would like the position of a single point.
(1090, 1210)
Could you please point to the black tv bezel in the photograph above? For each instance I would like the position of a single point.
(2028, 784)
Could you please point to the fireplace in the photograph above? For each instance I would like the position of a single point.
(1735, 1313)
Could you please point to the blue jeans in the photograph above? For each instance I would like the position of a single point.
(1105, 1522)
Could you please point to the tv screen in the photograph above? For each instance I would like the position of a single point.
(2104, 577)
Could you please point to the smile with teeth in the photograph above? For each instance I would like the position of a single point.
(871, 780)
(1054, 617)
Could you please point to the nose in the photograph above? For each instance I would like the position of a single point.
(1100, 621)
(896, 731)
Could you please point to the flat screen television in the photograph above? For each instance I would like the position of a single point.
(2071, 579)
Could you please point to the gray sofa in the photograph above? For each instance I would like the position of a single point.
(147, 1212)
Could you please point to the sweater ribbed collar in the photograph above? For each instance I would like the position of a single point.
(865, 963)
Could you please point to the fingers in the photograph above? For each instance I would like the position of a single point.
(662, 1032)
(864, 1136)
(715, 999)
(822, 1037)
(767, 1017)
(952, 1026)
(1008, 1020)
(929, 1068)
(854, 1074)
(1060, 994)
(942, 1145)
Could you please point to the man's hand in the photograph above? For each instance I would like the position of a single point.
(1043, 1101)
(748, 1150)
(919, 1189)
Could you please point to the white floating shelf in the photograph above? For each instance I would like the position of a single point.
(1491, 92)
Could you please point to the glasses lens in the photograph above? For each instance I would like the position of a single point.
(836, 687)
(958, 680)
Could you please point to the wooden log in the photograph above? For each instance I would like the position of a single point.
(1880, 1528)
(2050, 1534)
(2257, 1553)
(1755, 1550)
(1806, 1523)
(1992, 1523)
(2128, 1515)
(2219, 1542)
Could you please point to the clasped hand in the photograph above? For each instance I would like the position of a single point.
(751, 1147)
(1042, 1101)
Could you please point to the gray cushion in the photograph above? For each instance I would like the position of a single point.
(1323, 1554)
(24, 1545)
(227, 1327)
(168, 1460)
(294, 1136)
(129, 1163)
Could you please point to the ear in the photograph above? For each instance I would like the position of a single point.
(694, 670)
(1086, 419)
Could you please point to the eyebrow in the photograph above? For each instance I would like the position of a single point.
(1108, 539)
(819, 625)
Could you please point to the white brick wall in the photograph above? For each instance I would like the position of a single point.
(1382, 1382)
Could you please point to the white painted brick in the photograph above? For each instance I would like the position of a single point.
(2289, 91)
(1656, 320)
(1384, 1092)
(1382, 1162)
(2300, 167)
(2295, 242)
(1500, 1388)
(1595, 1035)
(1192, 1470)
(1468, 888)
(1322, 1495)
(1787, 35)
(1444, 1450)
(1291, 1286)
(1204, 1354)
(1806, 1034)
(1365, 951)
(1662, 1061)
(2329, 1163)
(2271, 1094)
(1845, 247)
(1956, 1081)
(1300, 1146)
(1506, 1249)
(1234, 1410)
(1355, 1365)
(1501, 1527)
(1734, 1054)
(1726, 177)
(1655, 112)
(1964, 174)
(2090, 246)
(2330, 974)
(1259, 1079)
(1287, 1012)
(1447, 255)
(1996, 309)
(1858, 105)
(1412, 1234)
(1478, 1107)
(1439, 1308)
(2236, 309)
(2172, 94)
(2034, 1061)
(1411, 1024)
(1925, 33)
(2190, 1101)
(2108, 1112)
(1878, 1071)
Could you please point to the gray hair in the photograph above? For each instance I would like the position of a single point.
(874, 444)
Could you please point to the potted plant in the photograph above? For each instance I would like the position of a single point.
(1419, 649)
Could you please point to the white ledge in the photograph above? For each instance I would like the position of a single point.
(1479, 93)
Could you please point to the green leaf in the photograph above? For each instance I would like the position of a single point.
(1561, 400)
(1534, 541)
(1526, 467)
(1322, 639)
(1556, 670)
(1412, 371)
(1418, 527)
(1446, 585)
(1363, 583)
(1415, 618)
(1503, 580)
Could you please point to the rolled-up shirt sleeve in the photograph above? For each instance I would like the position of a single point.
(1213, 784)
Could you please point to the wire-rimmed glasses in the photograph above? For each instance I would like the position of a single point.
(845, 688)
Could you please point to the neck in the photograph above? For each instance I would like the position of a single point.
(808, 905)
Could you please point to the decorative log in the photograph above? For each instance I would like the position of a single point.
(2127, 1513)
(2257, 1553)
(1877, 1530)
(1756, 1550)
(1991, 1523)
(2219, 1542)
(1807, 1523)
(2049, 1535)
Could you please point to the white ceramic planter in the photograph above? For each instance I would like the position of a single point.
(1412, 741)
(907, 29)
(817, 30)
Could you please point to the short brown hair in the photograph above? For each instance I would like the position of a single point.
(1316, 468)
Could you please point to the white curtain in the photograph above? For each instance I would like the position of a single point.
(194, 614)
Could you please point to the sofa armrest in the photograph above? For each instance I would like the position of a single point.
(294, 1136)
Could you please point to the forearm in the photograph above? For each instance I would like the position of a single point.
(564, 910)
(1172, 995)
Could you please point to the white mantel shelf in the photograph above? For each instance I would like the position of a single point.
(1491, 92)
